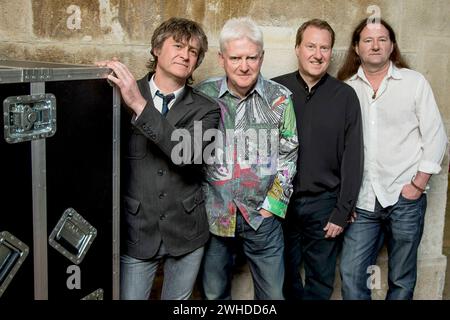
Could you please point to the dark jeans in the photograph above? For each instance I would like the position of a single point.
(305, 242)
(264, 251)
(402, 226)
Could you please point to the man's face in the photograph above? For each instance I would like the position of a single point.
(177, 59)
(374, 47)
(314, 53)
(241, 60)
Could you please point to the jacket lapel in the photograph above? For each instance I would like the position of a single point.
(180, 108)
(144, 87)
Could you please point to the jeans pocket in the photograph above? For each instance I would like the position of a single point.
(402, 198)
(407, 218)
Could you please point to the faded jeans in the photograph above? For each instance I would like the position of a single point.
(136, 275)
(402, 226)
(264, 251)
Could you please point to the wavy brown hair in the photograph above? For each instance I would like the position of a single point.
(180, 29)
(352, 60)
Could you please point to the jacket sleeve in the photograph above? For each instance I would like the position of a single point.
(352, 163)
(278, 196)
(184, 145)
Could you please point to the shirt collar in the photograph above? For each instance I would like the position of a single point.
(393, 72)
(154, 88)
(259, 87)
(305, 85)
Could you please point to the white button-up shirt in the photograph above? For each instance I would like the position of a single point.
(403, 133)
(157, 101)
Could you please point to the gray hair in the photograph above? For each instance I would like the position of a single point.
(239, 28)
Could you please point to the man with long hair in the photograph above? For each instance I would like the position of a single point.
(404, 143)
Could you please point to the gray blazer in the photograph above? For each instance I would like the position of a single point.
(162, 200)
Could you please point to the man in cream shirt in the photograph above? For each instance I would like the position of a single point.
(404, 144)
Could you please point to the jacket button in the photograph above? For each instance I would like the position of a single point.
(162, 217)
(160, 172)
(162, 195)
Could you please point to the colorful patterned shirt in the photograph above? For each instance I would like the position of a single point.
(254, 156)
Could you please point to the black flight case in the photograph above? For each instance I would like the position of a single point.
(60, 176)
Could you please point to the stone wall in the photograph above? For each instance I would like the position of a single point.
(85, 31)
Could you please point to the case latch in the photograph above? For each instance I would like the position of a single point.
(29, 117)
(72, 236)
(12, 254)
(96, 295)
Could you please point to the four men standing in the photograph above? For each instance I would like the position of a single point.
(259, 167)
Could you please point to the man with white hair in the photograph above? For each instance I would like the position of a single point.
(247, 194)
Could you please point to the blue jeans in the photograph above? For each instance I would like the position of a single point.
(402, 226)
(264, 251)
(136, 275)
(306, 243)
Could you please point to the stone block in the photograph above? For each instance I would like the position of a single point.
(272, 67)
(432, 238)
(344, 15)
(15, 17)
(291, 13)
(433, 65)
(113, 21)
(137, 18)
(418, 13)
(279, 37)
(67, 19)
(209, 68)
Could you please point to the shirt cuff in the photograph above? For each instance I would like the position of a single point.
(274, 206)
(429, 167)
